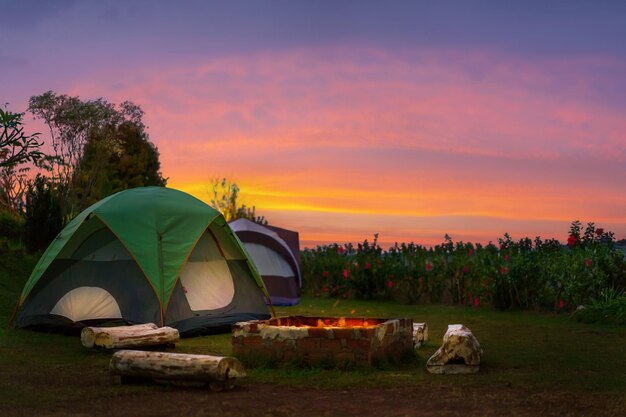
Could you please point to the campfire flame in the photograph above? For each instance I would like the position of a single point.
(324, 322)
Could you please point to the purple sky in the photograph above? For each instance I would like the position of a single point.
(346, 118)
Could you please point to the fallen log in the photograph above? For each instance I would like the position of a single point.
(218, 372)
(128, 336)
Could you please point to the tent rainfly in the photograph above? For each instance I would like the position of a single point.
(276, 255)
(145, 255)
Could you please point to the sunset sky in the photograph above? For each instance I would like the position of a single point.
(341, 119)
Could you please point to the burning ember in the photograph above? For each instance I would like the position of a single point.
(315, 340)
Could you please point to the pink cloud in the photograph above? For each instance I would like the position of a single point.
(411, 134)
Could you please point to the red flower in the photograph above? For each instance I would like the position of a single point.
(561, 304)
(506, 257)
(470, 252)
(340, 250)
(465, 269)
(325, 274)
(504, 270)
(368, 265)
(476, 301)
(599, 231)
(390, 284)
(588, 262)
(346, 274)
(324, 289)
(571, 240)
(429, 266)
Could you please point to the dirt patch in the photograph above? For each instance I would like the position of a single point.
(269, 400)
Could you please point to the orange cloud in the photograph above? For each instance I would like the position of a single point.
(418, 136)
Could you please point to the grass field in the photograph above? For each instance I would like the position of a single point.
(536, 361)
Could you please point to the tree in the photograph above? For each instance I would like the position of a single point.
(15, 146)
(75, 124)
(225, 193)
(17, 149)
(116, 159)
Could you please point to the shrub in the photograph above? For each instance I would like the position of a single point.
(608, 307)
(11, 225)
(43, 218)
(524, 274)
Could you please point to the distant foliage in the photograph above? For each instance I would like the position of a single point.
(43, 216)
(11, 226)
(525, 274)
(224, 198)
(18, 152)
(98, 148)
(113, 161)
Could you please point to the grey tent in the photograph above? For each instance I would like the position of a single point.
(276, 255)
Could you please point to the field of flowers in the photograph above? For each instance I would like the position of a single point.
(526, 274)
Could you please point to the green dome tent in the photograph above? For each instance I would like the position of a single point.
(143, 255)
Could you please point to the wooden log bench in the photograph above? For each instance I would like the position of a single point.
(124, 337)
(218, 372)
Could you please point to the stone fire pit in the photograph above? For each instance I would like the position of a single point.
(323, 340)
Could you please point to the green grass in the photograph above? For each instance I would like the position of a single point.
(525, 350)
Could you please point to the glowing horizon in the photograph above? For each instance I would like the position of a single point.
(360, 129)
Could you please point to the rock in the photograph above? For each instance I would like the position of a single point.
(460, 353)
(420, 334)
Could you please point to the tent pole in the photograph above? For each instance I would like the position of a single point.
(17, 306)
(269, 300)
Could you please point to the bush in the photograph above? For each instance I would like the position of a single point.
(43, 218)
(525, 274)
(11, 225)
(609, 307)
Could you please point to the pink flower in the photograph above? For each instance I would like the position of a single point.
(340, 250)
(368, 265)
(476, 301)
(429, 266)
(504, 270)
(588, 262)
(465, 269)
(325, 274)
(390, 284)
(571, 240)
(561, 304)
(346, 274)
(599, 231)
